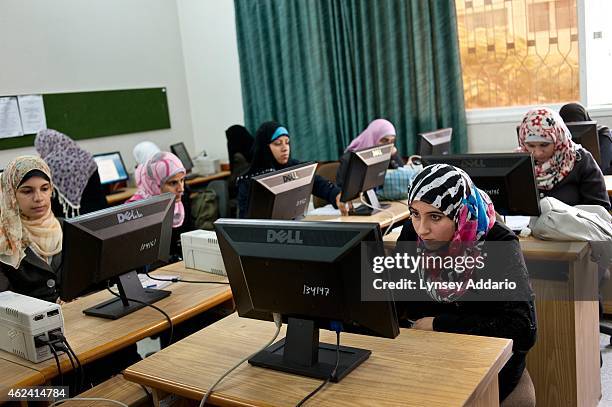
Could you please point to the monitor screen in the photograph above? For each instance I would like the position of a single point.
(110, 244)
(508, 178)
(180, 151)
(436, 142)
(309, 272)
(585, 133)
(110, 168)
(366, 170)
(283, 194)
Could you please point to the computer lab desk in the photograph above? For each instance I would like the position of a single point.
(120, 197)
(564, 363)
(418, 368)
(397, 213)
(92, 338)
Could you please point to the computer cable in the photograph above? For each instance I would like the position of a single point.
(380, 209)
(75, 382)
(57, 363)
(179, 280)
(58, 402)
(152, 306)
(278, 321)
(65, 346)
(336, 326)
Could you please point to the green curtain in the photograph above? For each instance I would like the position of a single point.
(326, 68)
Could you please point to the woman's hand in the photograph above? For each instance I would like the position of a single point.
(344, 207)
(424, 324)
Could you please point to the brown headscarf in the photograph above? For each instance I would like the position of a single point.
(43, 236)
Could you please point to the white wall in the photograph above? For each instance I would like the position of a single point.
(208, 31)
(74, 45)
(494, 130)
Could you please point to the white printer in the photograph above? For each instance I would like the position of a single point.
(22, 319)
(201, 251)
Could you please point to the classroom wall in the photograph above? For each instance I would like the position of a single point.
(74, 45)
(208, 32)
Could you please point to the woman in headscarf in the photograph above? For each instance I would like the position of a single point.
(75, 175)
(378, 132)
(144, 150)
(164, 172)
(239, 151)
(450, 216)
(272, 152)
(30, 235)
(575, 112)
(564, 170)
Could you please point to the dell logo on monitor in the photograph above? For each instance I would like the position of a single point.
(292, 176)
(129, 215)
(284, 236)
(472, 163)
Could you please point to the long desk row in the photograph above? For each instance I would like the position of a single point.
(564, 363)
(93, 338)
(127, 193)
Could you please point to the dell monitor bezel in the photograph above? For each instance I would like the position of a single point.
(437, 142)
(366, 169)
(115, 181)
(585, 133)
(89, 259)
(267, 193)
(187, 162)
(525, 184)
(322, 254)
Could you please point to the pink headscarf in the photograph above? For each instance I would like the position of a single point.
(153, 174)
(370, 137)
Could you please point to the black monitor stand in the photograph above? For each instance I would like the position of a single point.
(372, 199)
(301, 353)
(129, 287)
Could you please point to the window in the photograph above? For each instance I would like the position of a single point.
(518, 52)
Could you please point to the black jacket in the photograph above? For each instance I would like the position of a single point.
(514, 320)
(34, 277)
(584, 185)
(605, 149)
(321, 188)
(396, 162)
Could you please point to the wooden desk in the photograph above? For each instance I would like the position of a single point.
(14, 375)
(417, 368)
(564, 363)
(207, 178)
(608, 179)
(121, 197)
(399, 213)
(92, 338)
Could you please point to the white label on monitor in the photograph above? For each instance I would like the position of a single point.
(107, 170)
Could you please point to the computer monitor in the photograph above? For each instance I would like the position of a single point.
(585, 133)
(180, 151)
(111, 168)
(365, 171)
(109, 245)
(508, 178)
(436, 142)
(309, 272)
(282, 194)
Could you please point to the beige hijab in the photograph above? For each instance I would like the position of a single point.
(43, 236)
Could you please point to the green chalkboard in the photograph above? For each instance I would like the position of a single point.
(84, 115)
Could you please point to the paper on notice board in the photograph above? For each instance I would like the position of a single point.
(10, 123)
(32, 111)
